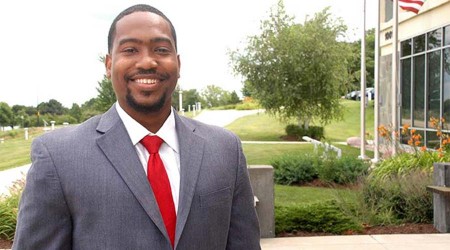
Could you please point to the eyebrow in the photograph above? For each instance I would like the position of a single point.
(153, 40)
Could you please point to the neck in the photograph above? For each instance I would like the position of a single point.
(152, 121)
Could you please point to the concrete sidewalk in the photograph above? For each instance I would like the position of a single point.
(8, 177)
(366, 242)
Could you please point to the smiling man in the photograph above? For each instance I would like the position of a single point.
(138, 176)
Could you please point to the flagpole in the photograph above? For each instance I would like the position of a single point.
(394, 72)
(376, 137)
(363, 87)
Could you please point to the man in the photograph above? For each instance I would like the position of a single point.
(89, 186)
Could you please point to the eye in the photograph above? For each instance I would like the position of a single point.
(162, 50)
(129, 50)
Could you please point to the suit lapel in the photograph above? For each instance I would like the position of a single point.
(116, 145)
(191, 155)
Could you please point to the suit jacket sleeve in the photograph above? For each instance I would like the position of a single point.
(43, 220)
(244, 226)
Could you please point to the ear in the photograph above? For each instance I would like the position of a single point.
(108, 62)
(179, 65)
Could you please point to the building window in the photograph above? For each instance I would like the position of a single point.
(425, 82)
(419, 91)
(406, 91)
(434, 39)
(447, 35)
(434, 85)
(406, 48)
(446, 88)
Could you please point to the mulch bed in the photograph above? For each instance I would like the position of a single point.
(5, 244)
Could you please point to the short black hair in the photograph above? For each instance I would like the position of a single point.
(138, 8)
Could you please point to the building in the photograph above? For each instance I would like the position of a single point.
(423, 87)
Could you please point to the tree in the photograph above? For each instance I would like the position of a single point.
(355, 65)
(297, 70)
(234, 98)
(52, 107)
(190, 97)
(20, 115)
(106, 96)
(76, 112)
(88, 109)
(6, 115)
(215, 96)
(246, 90)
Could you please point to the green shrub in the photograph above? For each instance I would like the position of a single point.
(403, 196)
(13, 133)
(303, 168)
(224, 107)
(314, 132)
(294, 169)
(406, 162)
(344, 170)
(8, 210)
(247, 106)
(318, 217)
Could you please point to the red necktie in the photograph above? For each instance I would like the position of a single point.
(157, 176)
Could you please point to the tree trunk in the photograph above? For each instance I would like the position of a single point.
(303, 123)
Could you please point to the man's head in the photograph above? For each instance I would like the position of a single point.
(142, 62)
(132, 9)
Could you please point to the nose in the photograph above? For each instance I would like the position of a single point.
(147, 61)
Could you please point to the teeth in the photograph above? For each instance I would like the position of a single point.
(146, 81)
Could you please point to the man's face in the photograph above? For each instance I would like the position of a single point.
(143, 64)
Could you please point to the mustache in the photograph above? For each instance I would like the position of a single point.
(146, 72)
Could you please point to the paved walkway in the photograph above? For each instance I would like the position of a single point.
(363, 242)
(366, 242)
(8, 177)
(223, 117)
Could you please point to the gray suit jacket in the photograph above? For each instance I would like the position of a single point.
(86, 189)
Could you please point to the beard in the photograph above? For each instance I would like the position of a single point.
(145, 108)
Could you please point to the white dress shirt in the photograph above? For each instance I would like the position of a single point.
(169, 150)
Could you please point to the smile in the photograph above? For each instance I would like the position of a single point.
(146, 81)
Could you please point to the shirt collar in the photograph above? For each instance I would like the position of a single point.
(136, 131)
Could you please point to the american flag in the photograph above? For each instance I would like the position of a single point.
(411, 5)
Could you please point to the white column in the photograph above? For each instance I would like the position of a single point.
(376, 137)
(180, 99)
(394, 71)
(26, 134)
(363, 86)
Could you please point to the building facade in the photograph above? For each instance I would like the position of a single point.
(423, 88)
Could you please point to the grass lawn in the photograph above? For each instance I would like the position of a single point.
(264, 127)
(294, 195)
(350, 124)
(259, 127)
(15, 151)
(262, 154)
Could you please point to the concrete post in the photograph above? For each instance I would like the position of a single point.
(53, 125)
(261, 179)
(441, 201)
(26, 134)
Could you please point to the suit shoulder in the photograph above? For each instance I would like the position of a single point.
(72, 132)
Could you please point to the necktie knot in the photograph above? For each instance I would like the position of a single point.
(152, 143)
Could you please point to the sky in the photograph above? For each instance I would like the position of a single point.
(51, 48)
